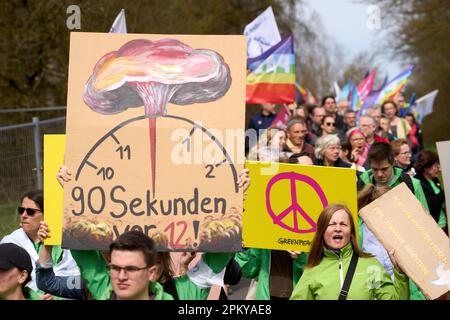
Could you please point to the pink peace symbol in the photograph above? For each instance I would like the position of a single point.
(294, 207)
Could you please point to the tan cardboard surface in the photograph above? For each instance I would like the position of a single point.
(399, 221)
(195, 204)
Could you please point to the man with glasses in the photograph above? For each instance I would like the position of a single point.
(349, 121)
(314, 122)
(130, 275)
(368, 126)
(384, 173)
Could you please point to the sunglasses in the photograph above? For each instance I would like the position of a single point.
(30, 211)
(330, 124)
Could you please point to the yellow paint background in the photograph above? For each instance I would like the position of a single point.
(259, 230)
(54, 145)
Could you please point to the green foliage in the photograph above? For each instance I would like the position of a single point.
(9, 219)
(34, 58)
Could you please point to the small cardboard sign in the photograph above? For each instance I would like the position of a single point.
(422, 249)
(155, 136)
(284, 202)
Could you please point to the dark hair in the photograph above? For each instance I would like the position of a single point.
(349, 111)
(324, 99)
(318, 243)
(313, 111)
(136, 241)
(425, 160)
(167, 271)
(409, 114)
(387, 102)
(381, 151)
(328, 116)
(37, 196)
(346, 147)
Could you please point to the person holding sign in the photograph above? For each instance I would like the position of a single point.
(367, 240)
(129, 275)
(70, 287)
(337, 269)
(31, 214)
(195, 284)
(383, 173)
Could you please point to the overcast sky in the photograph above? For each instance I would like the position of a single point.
(347, 23)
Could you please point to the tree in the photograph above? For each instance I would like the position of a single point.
(420, 34)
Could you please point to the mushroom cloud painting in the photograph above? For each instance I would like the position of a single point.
(151, 74)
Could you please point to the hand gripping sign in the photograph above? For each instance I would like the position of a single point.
(294, 196)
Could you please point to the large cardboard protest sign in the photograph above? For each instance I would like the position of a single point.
(155, 136)
(284, 202)
(399, 221)
(443, 148)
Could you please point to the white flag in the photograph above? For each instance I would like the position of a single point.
(120, 24)
(424, 105)
(336, 88)
(262, 33)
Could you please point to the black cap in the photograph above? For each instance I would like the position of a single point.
(11, 256)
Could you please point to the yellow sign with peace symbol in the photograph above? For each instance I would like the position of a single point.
(284, 201)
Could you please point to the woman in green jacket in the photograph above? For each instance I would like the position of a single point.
(329, 259)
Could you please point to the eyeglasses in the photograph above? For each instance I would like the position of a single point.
(405, 154)
(330, 124)
(30, 211)
(128, 269)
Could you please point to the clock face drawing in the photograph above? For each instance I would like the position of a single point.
(142, 156)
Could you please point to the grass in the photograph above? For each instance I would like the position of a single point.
(9, 219)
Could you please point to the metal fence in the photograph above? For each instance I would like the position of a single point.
(21, 156)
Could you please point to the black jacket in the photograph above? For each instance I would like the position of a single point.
(434, 201)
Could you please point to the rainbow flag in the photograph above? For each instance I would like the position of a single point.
(394, 86)
(272, 75)
(301, 93)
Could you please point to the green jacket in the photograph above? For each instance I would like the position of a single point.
(256, 263)
(31, 294)
(187, 289)
(370, 281)
(366, 178)
(95, 272)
